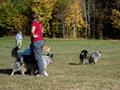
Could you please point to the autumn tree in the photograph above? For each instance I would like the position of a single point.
(116, 14)
(74, 22)
(7, 11)
(14, 16)
(44, 9)
(57, 21)
(116, 18)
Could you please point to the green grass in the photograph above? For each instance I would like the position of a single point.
(64, 72)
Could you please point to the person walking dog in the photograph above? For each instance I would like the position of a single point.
(37, 43)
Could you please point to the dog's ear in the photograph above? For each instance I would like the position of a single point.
(100, 52)
(16, 48)
(51, 55)
(97, 50)
(48, 54)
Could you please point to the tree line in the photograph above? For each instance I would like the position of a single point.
(97, 19)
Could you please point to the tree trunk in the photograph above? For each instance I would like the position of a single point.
(86, 26)
(74, 31)
(88, 16)
(93, 15)
(63, 27)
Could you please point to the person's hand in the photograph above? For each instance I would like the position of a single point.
(35, 35)
(44, 32)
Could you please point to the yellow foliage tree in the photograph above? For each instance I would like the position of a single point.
(116, 18)
(73, 18)
(44, 9)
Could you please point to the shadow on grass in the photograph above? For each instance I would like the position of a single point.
(74, 63)
(78, 63)
(9, 71)
(6, 71)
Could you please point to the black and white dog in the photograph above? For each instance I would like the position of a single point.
(83, 55)
(25, 61)
(94, 57)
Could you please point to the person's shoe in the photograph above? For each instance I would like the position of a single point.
(38, 75)
(45, 74)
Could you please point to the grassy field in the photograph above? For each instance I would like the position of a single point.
(65, 73)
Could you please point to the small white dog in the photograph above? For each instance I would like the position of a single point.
(46, 60)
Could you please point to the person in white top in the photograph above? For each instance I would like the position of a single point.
(19, 39)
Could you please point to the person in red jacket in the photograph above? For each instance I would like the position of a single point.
(37, 43)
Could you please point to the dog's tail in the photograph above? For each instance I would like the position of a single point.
(14, 52)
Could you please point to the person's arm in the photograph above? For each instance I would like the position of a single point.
(42, 30)
(32, 31)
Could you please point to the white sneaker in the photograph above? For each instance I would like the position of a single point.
(38, 75)
(45, 73)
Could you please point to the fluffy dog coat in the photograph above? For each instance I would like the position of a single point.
(25, 60)
(94, 57)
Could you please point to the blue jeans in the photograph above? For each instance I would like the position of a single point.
(37, 48)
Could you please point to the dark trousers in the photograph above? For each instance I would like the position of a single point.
(37, 48)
